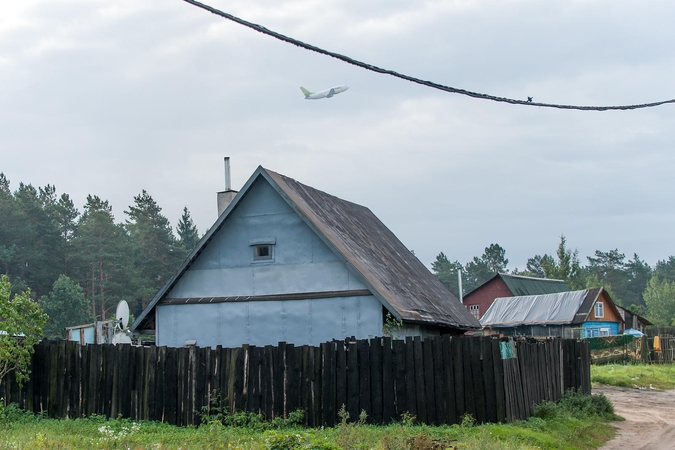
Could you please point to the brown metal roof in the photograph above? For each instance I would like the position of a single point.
(392, 273)
(398, 278)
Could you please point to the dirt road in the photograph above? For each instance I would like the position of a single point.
(650, 418)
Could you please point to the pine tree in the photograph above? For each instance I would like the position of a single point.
(446, 272)
(187, 232)
(156, 253)
(102, 255)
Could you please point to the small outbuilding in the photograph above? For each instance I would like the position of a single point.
(287, 262)
(506, 285)
(632, 320)
(573, 314)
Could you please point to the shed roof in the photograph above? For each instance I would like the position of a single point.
(520, 285)
(562, 308)
(391, 272)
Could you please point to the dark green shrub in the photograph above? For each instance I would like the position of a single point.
(546, 410)
(12, 413)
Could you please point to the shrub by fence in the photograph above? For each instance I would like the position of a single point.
(437, 380)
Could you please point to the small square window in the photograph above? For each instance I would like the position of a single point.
(475, 311)
(262, 252)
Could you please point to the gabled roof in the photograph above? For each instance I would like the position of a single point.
(521, 285)
(390, 271)
(562, 308)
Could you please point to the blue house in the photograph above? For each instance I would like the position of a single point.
(572, 314)
(287, 262)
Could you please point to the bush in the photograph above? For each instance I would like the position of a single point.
(276, 440)
(12, 413)
(218, 414)
(576, 405)
(546, 410)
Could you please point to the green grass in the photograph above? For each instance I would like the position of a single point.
(577, 422)
(659, 376)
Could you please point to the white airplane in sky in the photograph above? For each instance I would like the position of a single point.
(326, 93)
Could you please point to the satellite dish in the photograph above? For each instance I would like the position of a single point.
(121, 338)
(122, 315)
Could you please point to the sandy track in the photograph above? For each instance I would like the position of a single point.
(650, 418)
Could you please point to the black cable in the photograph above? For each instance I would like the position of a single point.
(431, 84)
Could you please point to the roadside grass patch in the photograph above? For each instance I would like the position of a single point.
(576, 422)
(658, 376)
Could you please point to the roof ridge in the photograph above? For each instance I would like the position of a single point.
(529, 278)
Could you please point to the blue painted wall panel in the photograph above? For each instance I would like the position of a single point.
(592, 329)
(302, 263)
(269, 322)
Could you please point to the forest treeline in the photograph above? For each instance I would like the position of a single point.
(79, 264)
(632, 283)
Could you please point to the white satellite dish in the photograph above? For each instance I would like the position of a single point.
(121, 338)
(122, 315)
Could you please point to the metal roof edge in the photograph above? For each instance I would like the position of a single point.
(269, 176)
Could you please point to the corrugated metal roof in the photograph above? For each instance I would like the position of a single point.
(392, 273)
(519, 285)
(546, 309)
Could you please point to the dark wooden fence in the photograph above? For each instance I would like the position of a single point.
(437, 380)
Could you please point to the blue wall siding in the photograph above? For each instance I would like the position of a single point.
(302, 263)
(268, 322)
(592, 329)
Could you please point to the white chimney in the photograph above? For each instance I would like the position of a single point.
(225, 197)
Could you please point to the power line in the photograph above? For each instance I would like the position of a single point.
(430, 84)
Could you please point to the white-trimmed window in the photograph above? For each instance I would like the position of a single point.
(475, 311)
(599, 310)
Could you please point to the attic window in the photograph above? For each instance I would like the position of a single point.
(262, 252)
(263, 249)
(599, 310)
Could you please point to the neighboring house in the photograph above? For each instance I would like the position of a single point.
(632, 320)
(573, 314)
(286, 262)
(504, 285)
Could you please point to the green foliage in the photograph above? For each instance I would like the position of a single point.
(576, 405)
(407, 419)
(13, 414)
(218, 414)
(446, 272)
(564, 266)
(187, 232)
(156, 253)
(479, 270)
(660, 301)
(391, 325)
(101, 251)
(21, 325)
(65, 306)
(564, 432)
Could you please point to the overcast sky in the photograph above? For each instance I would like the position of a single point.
(111, 97)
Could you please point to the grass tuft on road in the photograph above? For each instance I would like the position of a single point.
(642, 376)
